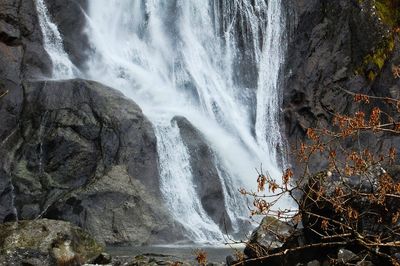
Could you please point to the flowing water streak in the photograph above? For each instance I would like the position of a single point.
(42, 130)
(180, 57)
(268, 105)
(177, 180)
(53, 43)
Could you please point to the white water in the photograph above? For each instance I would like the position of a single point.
(178, 181)
(180, 57)
(53, 43)
(268, 104)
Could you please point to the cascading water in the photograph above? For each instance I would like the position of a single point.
(200, 60)
(177, 181)
(268, 81)
(53, 43)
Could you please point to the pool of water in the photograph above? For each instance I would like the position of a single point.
(186, 253)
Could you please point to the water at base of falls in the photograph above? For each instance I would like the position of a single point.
(200, 60)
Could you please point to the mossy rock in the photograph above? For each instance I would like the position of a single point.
(43, 235)
(387, 14)
(388, 11)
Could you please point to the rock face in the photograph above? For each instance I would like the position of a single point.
(328, 49)
(21, 56)
(205, 174)
(86, 154)
(39, 243)
(69, 15)
(72, 150)
(265, 237)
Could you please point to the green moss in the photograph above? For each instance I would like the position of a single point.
(85, 245)
(376, 58)
(387, 10)
(388, 13)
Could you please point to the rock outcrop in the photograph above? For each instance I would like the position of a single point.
(45, 242)
(270, 234)
(205, 174)
(70, 18)
(84, 153)
(22, 56)
(73, 150)
(336, 44)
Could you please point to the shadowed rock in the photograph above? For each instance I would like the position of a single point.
(205, 174)
(85, 153)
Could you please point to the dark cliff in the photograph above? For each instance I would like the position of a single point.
(336, 45)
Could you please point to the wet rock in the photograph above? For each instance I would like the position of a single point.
(265, 237)
(27, 257)
(328, 43)
(21, 56)
(86, 154)
(230, 260)
(314, 263)
(345, 256)
(102, 259)
(205, 174)
(70, 18)
(45, 242)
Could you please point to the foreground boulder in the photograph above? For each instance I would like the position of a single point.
(86, 154)
(270, 234)
(45, 242)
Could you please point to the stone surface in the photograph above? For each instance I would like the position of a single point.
(35, 242)
(85, 153)
(205, 174)
(103, 258)
(346, 256)
(327, 45)
(69, 15)
(21, 56)
(265, 237)
(72, 150)
(314, 263)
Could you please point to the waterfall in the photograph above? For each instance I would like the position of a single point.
(63, 68)
(177, 180)
(267, 125)
(215, 62)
